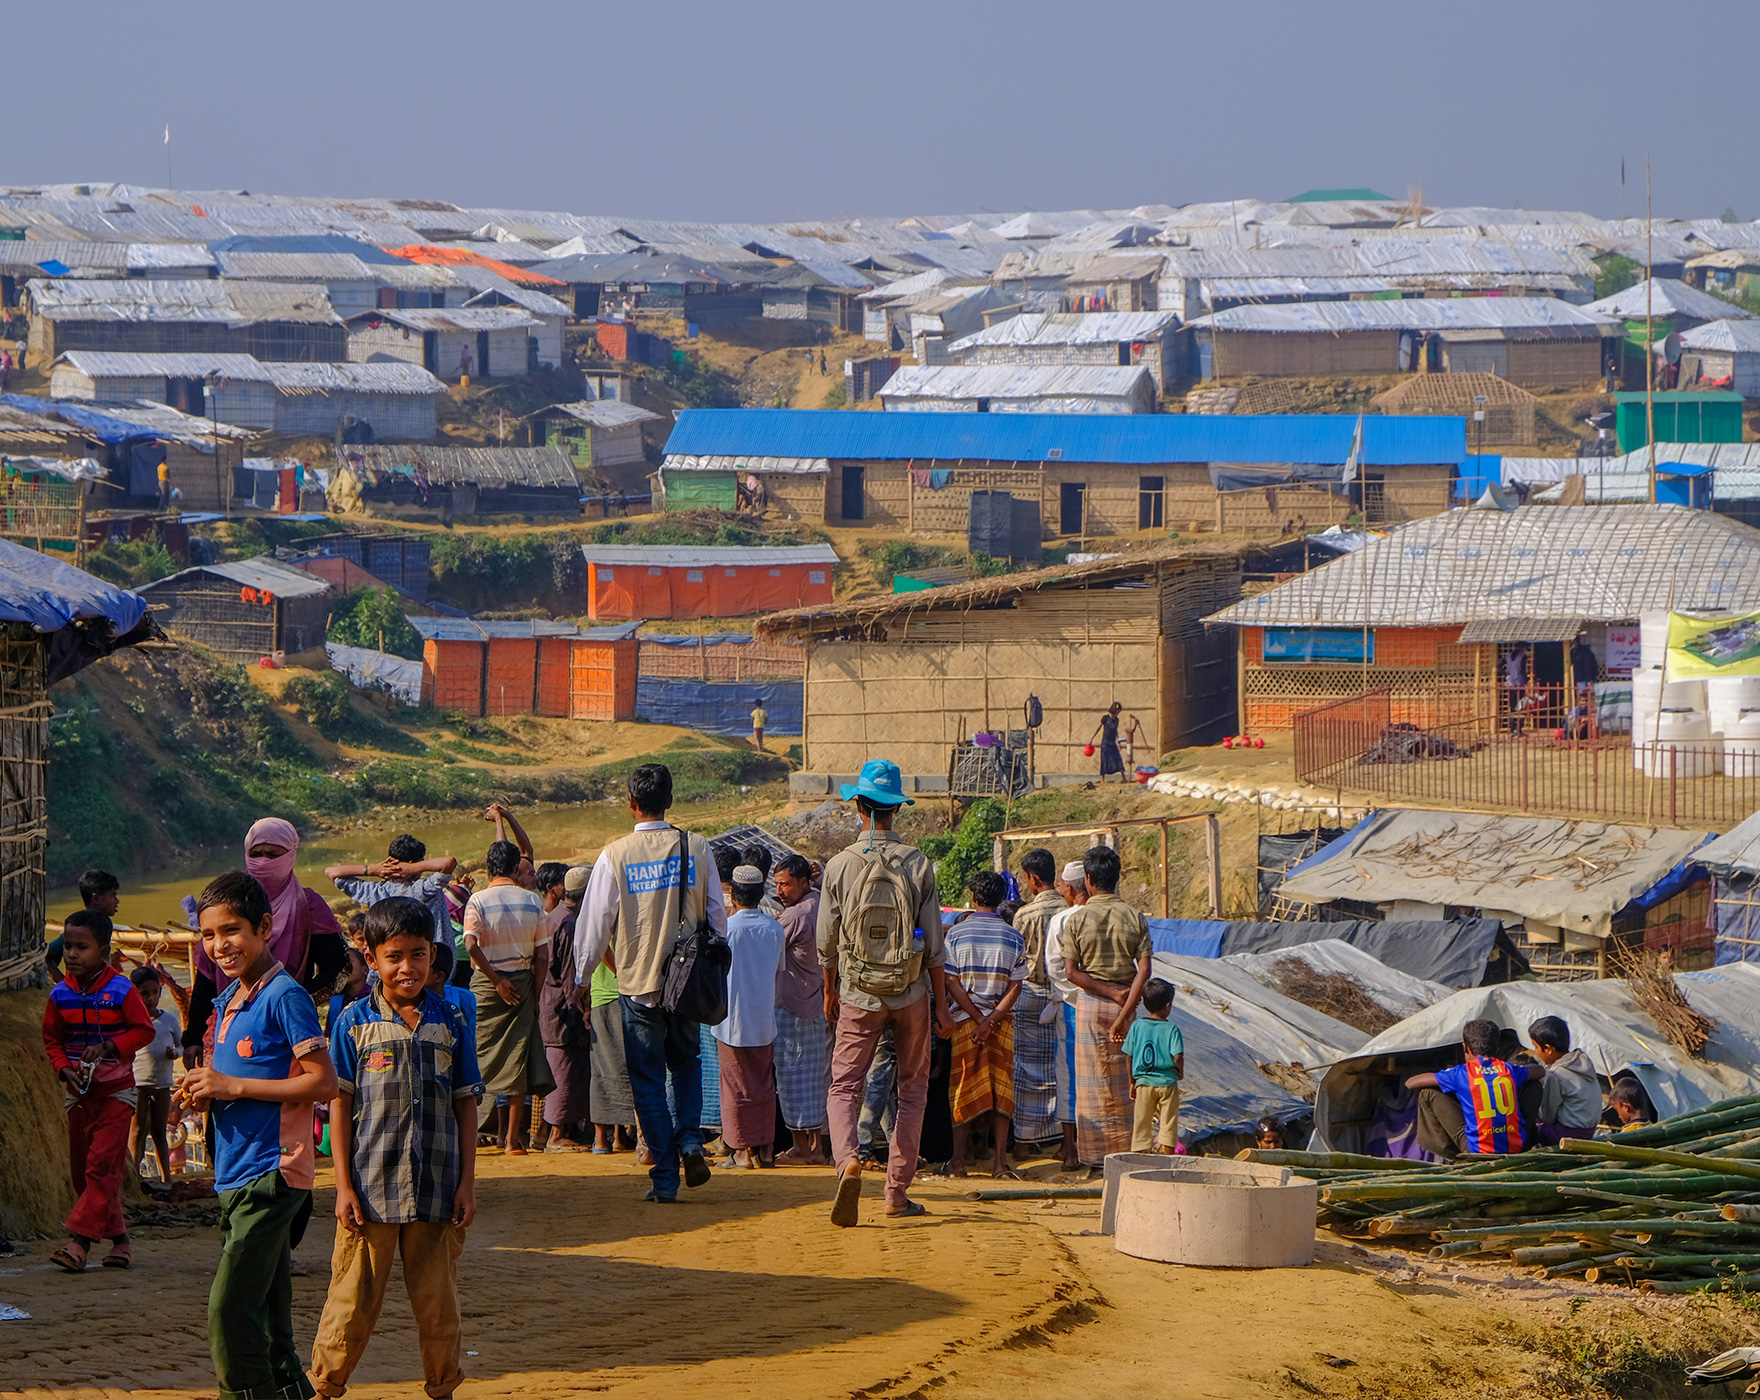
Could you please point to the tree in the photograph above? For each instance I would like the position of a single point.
(369, 614)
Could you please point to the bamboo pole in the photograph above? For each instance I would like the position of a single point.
(1729, 1166)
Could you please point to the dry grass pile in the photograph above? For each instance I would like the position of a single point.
(35, 1189)
(1653, 987)
(1336, 994)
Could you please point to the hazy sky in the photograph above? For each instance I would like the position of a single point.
(782, 109)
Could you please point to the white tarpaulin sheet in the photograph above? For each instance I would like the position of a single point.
(1574, 874)
(1272, 1025)
(1604, 1022)
(365, 667)
(1398, 993)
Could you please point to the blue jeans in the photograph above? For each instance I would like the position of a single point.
(661, 1050)
(879, 1103)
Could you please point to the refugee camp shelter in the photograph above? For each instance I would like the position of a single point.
(1669, 303)
(1582, 893)
(1536, 342)
(1361, 1102)
(1009, 389)
(1430, 610)
(232, 389)
(1728, 355)
(349, 283)
(457, 481)
(1701, 415)
(598, 433)
(244, 610)
(550, 314)
(1086, 474)
(388, 400)
(1101, 338)
(631, 581)
(1733, 860)
(913, 676)
(269, 320)
(1498, 414)
(54, 620)
(528, 668)
(490, 342)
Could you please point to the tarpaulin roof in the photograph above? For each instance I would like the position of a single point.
(112, 423)
(1666, 296)
(1736, 852)
(1453, 951)
(1394, 991)
(680, 556)
(84, 617)
(1604, 1022)
(1576, 874)
(364, 667)
(470, 629)
(282, 580)
(1063, 437)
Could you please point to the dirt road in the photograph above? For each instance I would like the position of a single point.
(572, 1285)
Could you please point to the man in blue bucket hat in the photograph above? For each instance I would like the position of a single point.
(881, 947)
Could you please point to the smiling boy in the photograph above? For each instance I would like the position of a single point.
(403, 1134)
(265, 1066)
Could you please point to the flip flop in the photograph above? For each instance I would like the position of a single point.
(118, 1257)
(846, 1209)
(1007, 1174)
(69, 1257)
(909, 1209)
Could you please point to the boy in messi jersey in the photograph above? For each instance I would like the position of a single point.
(1473, 1106)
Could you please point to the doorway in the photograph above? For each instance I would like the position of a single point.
(853, 492)
(1151, 492)
(483, 354)
(1071, 495)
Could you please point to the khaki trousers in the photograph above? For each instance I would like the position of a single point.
(360, 1268)
(1155, 1120)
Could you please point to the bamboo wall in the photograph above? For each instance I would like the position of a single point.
(1563, 364)
(802, 494)
(1306, 353)
(24, 807)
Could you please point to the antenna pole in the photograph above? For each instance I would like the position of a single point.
(1649, 352)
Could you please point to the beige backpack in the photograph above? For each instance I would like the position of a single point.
(881, 956)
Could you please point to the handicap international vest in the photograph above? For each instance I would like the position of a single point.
(645, 865)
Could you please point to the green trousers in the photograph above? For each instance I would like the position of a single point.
(250, 1306)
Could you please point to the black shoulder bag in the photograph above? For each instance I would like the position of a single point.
(696, 973)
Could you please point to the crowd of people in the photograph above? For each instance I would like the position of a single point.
(447, 1001)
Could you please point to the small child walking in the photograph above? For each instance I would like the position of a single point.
(154, 1064)
(264, 1067)
(403, 1136)
(746, 1039)
(1157, 1054)
(93, 1025)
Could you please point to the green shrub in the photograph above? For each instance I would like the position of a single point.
(374, 618)
(963, 853)
(131, 563)
(1615, 273)
(322, 698)
(837, 395)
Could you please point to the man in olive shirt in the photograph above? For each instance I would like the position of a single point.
(859, 1017)
(1106, 951)
(1035, 1029)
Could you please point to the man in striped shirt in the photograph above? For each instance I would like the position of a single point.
(989, 960)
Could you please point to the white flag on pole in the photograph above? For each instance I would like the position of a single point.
(1355, 459)
(167, 133)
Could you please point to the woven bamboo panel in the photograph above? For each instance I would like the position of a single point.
(727, 661)
(1422, 695)
(36, 511)
(24, 808)
(1280, 509)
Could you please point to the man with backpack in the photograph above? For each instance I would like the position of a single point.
(881, 948)
(645, 897)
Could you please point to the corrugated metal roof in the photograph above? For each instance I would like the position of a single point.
(283, 580)
(1667, 297)
(707, 556)
(601, 413)
(113, 422)
(179, 364)
(302, 267)
(1018, 382)
(744, 433)
(1606, 563)
(1512, 314)
(482, 466)
(1071, 328)
(451, 318)
(378, 377)
(1727, 336)
(470, 629)
(176, 299)
(489, 285)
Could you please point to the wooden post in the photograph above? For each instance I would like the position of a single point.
(1213, 856)
(1166, 878)
(999, 855)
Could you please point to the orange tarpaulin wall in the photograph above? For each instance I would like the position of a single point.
(555, 676)
(629, 593)
(513, 674)
(603, 679)
(452, 675)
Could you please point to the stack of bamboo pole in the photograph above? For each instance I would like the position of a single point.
(1671, 1207)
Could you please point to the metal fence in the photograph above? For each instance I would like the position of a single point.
(1539, 754)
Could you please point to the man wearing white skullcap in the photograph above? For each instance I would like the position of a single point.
(746, 1041)
(1072, 884)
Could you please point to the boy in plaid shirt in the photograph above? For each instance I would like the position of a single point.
(403, 1135)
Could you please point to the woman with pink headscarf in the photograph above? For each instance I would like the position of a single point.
(307, 940)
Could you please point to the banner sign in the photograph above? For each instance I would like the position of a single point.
(1319, 644)
(1701, 648)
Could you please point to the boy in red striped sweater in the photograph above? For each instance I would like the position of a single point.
(92, 1026)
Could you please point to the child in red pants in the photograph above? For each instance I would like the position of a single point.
(92, 1026)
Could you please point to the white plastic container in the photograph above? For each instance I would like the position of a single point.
(1727, 696)
(1682, 747)
(1652, 639)
(1741, 746)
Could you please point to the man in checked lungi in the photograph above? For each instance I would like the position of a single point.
(1072, 888)
(1106, 951)
(987, 958)
(1035, 1014)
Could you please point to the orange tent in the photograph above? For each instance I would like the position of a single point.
(429, 254)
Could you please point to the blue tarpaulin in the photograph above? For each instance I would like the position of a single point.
(84, 617)
(1194, 938)
(721, 707)
(1477, 474)
(1453, 952)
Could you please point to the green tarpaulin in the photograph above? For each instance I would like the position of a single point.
(698, 490)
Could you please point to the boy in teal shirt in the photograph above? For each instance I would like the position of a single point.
(1157, 1055)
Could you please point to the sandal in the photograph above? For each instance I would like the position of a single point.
(1007, 1174)
(119, 1256)
(908, 1209)
(71, 1257)
(846, 1209)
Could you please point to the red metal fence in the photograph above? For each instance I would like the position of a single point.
(1539, 759)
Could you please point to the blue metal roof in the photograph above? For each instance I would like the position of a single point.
(1067, 437)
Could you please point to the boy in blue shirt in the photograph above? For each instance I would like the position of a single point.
(1473, 1106)
(1157, 1054)
(264, 1068)
(403, 1131)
